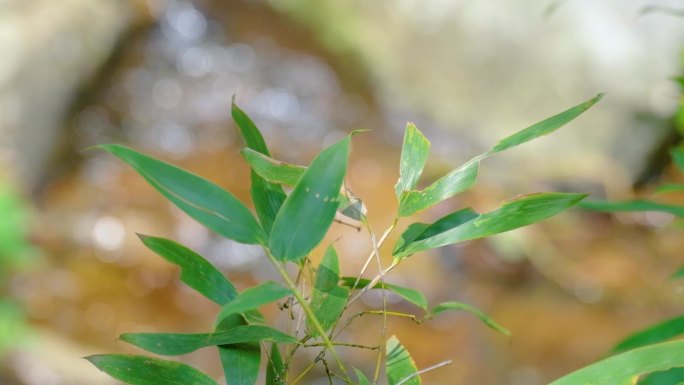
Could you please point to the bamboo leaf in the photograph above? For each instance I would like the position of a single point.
(666, 188)
(271, 170)
(275, 370)
(635, 205)
(626, 367)
(172, 344)
(454, 183)
(657, 333)
(363, 380)
(253, 298)
(140, 370)
(419, 231)
(544, 127)
(328, 299)
(678, 274)
(399, 364)
(196, 272)
(513, 214)
(240, 362)
(309, 210)
(204, 201)
(674, 376)
(678, 158)
(448, 306)
(414, 154)
(465, 177)
(267, 197)
(410, 295)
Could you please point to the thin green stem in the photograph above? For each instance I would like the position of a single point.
(309, 313)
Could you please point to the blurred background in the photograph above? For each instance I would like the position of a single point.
(159, 75)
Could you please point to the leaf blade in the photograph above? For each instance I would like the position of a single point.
(203, 200)
(513, 214)
(308, 211)
(275, 368)
(241, 361)
(544, 127)
(172, 344)
(140, 370)
(659, 332)
(328, 299)
(633, 206)
(253, 298)
(399, 365)
(414, 154)
(485, 319)
(196, 271)
(410, 295)
(627, 366)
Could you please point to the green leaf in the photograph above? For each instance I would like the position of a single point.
(414, 154)
(400, 365)
(201, 199)
(635, 205)
(513, 214)
(363, 380)
(666, 188)
(419, 231)
(254, 297)
(275, 370)
(267, 197)
(140, 370)
(410, 295)
(678, 158)
(448, 306)
(328, 299)
(172, 344)
(626, 367)
(674, 376)
(196, 272)
(240, 361)
(544, 127)
(678, 274)
(271, 170)
(288, 174)
(453, 183)
(310, 209)
(465, 177)
(657, 333)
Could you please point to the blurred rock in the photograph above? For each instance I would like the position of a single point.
(48, 49)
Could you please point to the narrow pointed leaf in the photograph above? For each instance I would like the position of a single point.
(196, 271)
(544, 127)
(254, 297)
(400, 365)
(275, 370)
(513, 214)
(419, 231)
(273, 171)
(240, 362)
(410, 295)
(674, 376)
(267, 197)
(454, 183)
(140, 370)
(172, 344)
(414, 154)
(204, 201)
(678, 158)
(459, 306)
(328, 299)
(626, 367)
(666, 188)
(363, 380)
(678, 274)
(657, 333)
(308, 211)
(635, 205)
